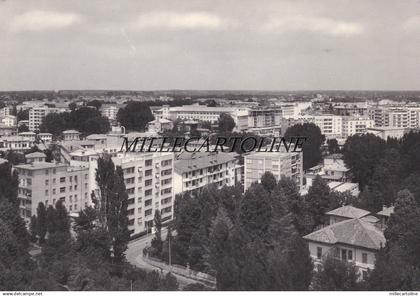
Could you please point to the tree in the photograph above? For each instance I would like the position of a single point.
(72, 106)
(55, 123)
(135, 116)
(22, 115)
(112, 204)
(41, 225)
(333, 146)
(157, 242)
(318, 200)
(335, 275)
(23, 128)
(268, 181)
(312, 147)
(397, 265)
(361, 154)
(95, 103)
(226, 123)
(33, 229)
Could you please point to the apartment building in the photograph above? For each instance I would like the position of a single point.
(37, 114)
(330, 125)
(110, 111)
(200, 112)
(352, 125)
(9, 120)
(16, 143)
(41, 181)
(264, 117)
(280, 164)
(149, 182)
(201, 169)
(395, 117)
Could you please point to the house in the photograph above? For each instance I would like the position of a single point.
(345, 213)
(160, 125)
(70, 135)
(354, 240)
(35, 157)
(45, 137)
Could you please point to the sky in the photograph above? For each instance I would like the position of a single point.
(210, 45)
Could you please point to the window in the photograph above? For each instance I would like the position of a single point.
(62, 189)
(319, 252)
(53, 190)
(130, 212)
(148, 182)
(47, 182)
(364, 258)
(46, 192)
(62, 179)
(46, 172)
(166, 162)
(54, 181)
(166, 172)
(148, 212)
(350, 255)
(29, 181)
(165, 191)
(75, 197)
(147, 202)
(344, 255)
(364, 274)
(148, 192)
(148, 172)
(71, 178)
(166, 181)
(148, 162)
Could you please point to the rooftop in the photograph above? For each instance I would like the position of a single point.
(71, 132)
(203, 161)
(355, 232)
(348, 212)
(386, 211)
(35, 154)
(40, 165)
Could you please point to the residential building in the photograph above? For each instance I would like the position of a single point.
(45, 182)
(70, 135)
(110, 111)
(9, 120)
(45, 137)
(264, 117)
(15, 143)
(385, 132)
(330, 125)
(345, 213)
(160, 125)
(280, 164)
(352, 125)
(355, 240)
(37, 114)
(149, 182)
(200, 169)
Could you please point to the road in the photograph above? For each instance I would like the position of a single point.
(134, 255)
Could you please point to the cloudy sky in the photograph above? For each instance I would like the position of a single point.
(212, 44)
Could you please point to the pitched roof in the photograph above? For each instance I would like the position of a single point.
(353, 232)
(348, 212)
(35, 154)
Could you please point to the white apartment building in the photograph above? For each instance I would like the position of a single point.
(5, 111)
(46, 182)
(355, 125)
(330, 125)
(9, 120)
(395, 117)
(201, 169)
(264, 117)
(37, 114)
(149, 182)
(15, 143)
(110, 111)
(280, 164)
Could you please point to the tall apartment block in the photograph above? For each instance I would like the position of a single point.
(198, 171)
(41, 181)
(37, 114)
(264, 117)
(149, 182)
(280, 164)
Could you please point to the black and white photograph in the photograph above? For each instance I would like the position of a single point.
(209, 146)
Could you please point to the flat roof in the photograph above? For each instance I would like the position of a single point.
(203, 161)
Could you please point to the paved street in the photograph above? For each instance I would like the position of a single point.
(135, 256)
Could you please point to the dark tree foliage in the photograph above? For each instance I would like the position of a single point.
(333, 146)
(268, 181)
(335, 275)
(41, 225)
(95, 103)
(398, 263)
(312, 146)
(112, 204)
(23, 128)
(361, 155)
(22, 115)
(135, 116)
(318, 200)
(226, 123)
(157, 242)
(410, 152)
(14, 157)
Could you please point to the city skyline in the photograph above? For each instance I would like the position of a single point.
(221, 45)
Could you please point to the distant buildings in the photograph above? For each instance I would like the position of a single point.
(37, 114)
(280, 164)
